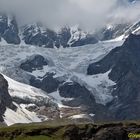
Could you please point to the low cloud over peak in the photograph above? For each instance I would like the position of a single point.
(90, 14)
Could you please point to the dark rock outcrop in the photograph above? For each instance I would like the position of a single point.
(124, 63)
(121, 60)
(11, 33)
(33, 63)
(48, 83)
(38, 35)
(81, 96)
(5, 98)
(64, 36)
(9, 29)
(89, 39)
(34, 35)
(112, 32)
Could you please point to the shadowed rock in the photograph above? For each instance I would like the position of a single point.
(35, 62)
(124, 63)
(5, 98)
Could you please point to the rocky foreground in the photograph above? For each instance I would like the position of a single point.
(71, 131)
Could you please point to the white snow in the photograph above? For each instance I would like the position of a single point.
(109, 26)
(136, 31)
(119, 38)
(40, 73)
(134, 28)
(79, 116)
(23, 91)
(58, 99)
(76, 34)
(72, 63)
(9, 20)
(3, 42)
(17, 89)
(21, 115)
(92, 115)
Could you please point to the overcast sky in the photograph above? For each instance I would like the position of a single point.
(89, 14)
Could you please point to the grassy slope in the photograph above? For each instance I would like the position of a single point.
(57, 130)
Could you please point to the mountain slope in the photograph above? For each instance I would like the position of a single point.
(68, 81)
(39, 35)
(57, 71)
(26, 100)
(68, 91)
(118, 30)
(123, 63)
(5, 98)
(36, 34)
(28, 104)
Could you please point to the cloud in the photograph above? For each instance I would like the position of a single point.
(128, 13)
(90, 14)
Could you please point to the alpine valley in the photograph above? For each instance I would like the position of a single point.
(70, 74)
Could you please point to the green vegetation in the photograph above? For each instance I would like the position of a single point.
(29, 138)
(64, 130)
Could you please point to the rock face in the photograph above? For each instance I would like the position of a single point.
(48, 83)
(78, 92)
(112, 31)
(63, 37)
(80, 96)
(67, 37)
(11, 33)
(3, 23)
(71, 94)
(89, 39)
(35, 35)
(35, 62)
(39, 35)
(5, 98)
(124, 63)
(9, 29)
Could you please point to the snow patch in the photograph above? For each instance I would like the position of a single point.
(17, 89)
(79, 116)
(21, 115)
(59, 99)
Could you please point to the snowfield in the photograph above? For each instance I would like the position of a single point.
(22, 115)
(17, 89)
(72, 63)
